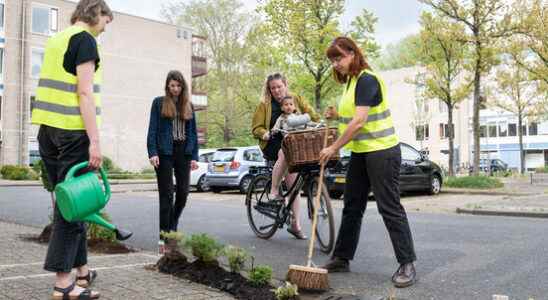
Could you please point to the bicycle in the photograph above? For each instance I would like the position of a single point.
(266, 216)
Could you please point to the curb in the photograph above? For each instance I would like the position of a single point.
(502, 213)
(12, 183)
(483, 192)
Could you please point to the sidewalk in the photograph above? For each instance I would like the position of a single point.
(120, 276)
(117, 185)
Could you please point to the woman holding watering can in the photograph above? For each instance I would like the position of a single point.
(172, 144)
(68, 110)
(366, 129)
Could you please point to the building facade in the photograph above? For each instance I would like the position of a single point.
(136, 55)
(423, 123)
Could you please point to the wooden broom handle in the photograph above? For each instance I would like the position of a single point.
(317, 203)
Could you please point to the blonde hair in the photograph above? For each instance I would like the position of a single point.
(89, 11)
(267, 95)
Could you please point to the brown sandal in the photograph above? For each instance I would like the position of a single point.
(84, 295)
(89, 279)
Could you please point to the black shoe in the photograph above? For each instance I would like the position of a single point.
(337, 265)
(405, 276)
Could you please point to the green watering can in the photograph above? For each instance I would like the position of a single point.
(82, 198)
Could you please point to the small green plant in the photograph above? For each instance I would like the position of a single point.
(18, 173)
(474, 182)
(236, 258)
(96, 232)
(172, 235)
(204, 247)
(260, 275)
(288, 291)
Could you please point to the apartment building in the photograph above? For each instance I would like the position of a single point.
(136, 55)
(423, 123)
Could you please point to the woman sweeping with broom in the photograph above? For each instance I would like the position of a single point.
(366, 129)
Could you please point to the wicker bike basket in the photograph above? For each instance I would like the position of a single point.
(302, 148)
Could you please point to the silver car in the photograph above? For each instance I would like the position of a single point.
(229, 168)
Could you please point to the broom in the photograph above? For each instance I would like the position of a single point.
(308, 277)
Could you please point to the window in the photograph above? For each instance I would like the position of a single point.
(444, 131)
(443, 107)
(408, 153)
(492, 128)
(524, 129)
(36, 59)
(503, 129)
(1, 16)
(422, 132)
(533, 128)
(44, 19)
(253, 155)
(483, 131)
(1, 63)
(512, 129)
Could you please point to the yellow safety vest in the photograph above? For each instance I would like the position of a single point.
(378, 132)
(56, 102)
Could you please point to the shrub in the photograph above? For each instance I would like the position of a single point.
(173, 235)
(542, 170)
(236, 258)
(109, 166)
(287, 292)
(204, 247)
(40, 168)
(474, 182)
(18, 173)
(96, 232)
(260, 275)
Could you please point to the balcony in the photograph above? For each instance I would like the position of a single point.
(199, 101)
(199, 56)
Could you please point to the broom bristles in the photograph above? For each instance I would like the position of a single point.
(308, 278)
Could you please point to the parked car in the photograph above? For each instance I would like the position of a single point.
(197, 177)
(229, 168)
(492, 165)
(417, 173)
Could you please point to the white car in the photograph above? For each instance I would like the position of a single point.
(197, 177)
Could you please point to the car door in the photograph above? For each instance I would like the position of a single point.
(413, 172)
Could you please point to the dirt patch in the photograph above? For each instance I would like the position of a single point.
(213, 275)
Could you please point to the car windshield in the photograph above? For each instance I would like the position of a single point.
(224, 155)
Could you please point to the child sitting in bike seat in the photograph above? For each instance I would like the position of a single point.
(282, 126)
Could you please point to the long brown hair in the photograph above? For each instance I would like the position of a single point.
(168, 104)
(267, 95)
(88, 11)
(343, 46)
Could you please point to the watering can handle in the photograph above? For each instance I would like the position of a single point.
(84, 164)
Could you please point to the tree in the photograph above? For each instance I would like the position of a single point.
(487, 22)
(231, 96)
(520, 94)
(405, 53)
(304, 29)
(444, 58)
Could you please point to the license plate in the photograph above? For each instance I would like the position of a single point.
(219, 169)
(340, 180)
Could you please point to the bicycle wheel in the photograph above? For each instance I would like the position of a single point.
(261, 213)
(325, 229)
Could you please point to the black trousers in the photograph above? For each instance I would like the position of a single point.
(170, 211)
(61, 149)
(379, 171)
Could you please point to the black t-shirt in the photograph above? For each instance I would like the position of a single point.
(275, 142)
(368, 91)
(82, 48)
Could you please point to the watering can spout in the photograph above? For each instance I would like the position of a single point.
(121, 234)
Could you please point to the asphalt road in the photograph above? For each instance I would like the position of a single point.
(459, 257)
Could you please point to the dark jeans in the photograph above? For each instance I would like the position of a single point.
(171, 211)
(61, 149)
(379, 171)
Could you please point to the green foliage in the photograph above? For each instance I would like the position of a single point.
(473, 182)
(204, 247)
(10, 172)
(109, 166)
(172, 235)
(260, 275)
(40, 168)
(287, 292)
(236, 258)
(96, 232)
(404, 53)
(542, 170)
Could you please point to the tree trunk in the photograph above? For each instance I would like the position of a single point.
(520, 138)
(318, 95)
(451, 140)
(475, 119)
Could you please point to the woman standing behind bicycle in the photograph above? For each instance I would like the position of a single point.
(366, 129)
(265, 117)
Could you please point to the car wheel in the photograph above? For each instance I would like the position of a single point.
(335, 194)
(435, 185)
(244, 184)
(202, 186)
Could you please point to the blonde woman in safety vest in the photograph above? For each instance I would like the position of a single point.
(367, 130)
(68, 109)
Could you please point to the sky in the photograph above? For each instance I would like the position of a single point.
(397, 18)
